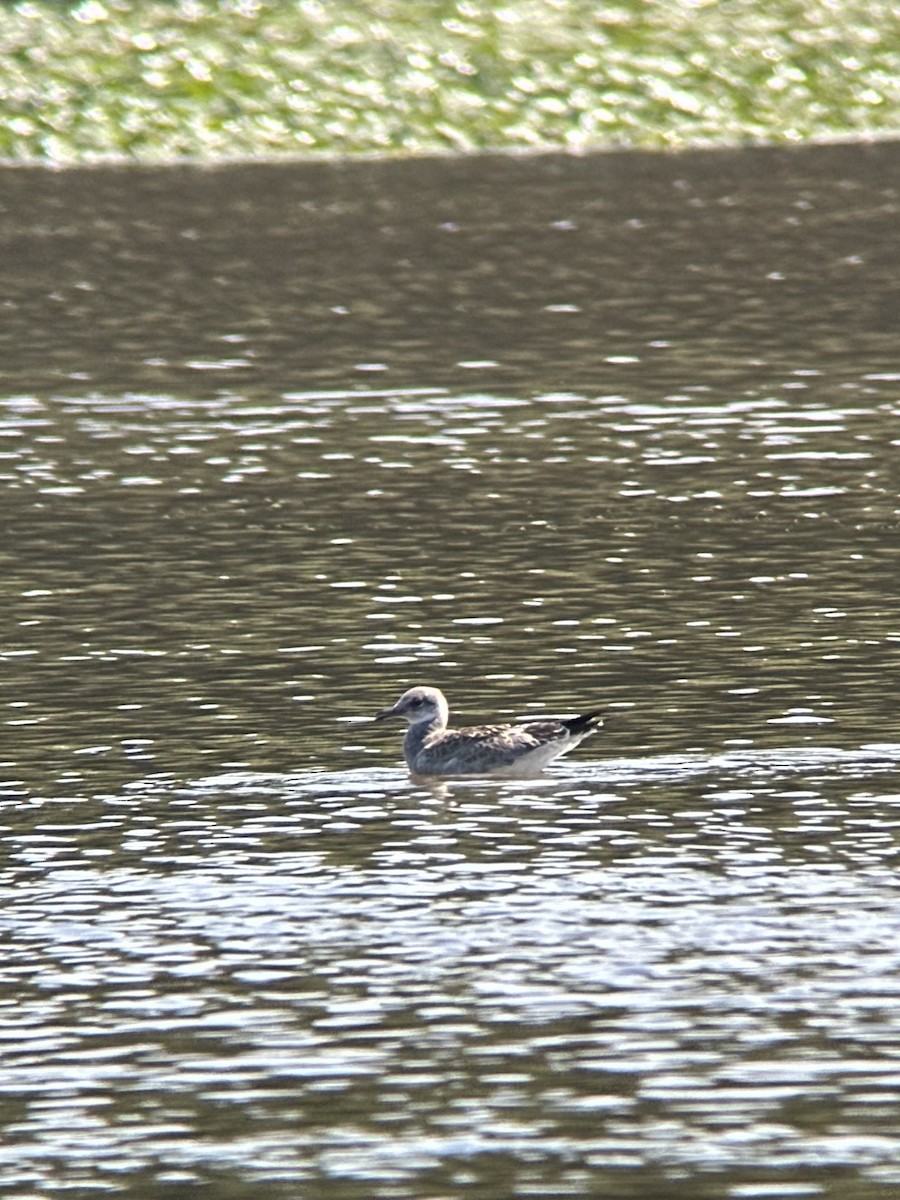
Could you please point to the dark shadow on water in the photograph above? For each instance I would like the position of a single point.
(542, 269)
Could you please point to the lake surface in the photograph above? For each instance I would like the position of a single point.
(278, 442)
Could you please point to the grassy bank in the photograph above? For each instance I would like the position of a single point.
(210, 78)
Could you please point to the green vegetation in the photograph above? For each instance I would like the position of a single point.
(235, 78)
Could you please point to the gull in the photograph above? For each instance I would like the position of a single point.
(510, 751)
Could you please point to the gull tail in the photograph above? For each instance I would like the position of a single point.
(585, 724)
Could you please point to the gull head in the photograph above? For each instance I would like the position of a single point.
(417, 705)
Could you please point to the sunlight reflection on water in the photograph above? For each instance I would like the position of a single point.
(564, 957)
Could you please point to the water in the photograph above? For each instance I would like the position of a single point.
(276, 443)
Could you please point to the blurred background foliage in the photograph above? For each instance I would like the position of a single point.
(244, 78)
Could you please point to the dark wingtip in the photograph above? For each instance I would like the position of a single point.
(586, 722)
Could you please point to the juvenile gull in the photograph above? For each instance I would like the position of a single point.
(430, 748)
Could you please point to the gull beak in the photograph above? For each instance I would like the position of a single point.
(385, 713)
